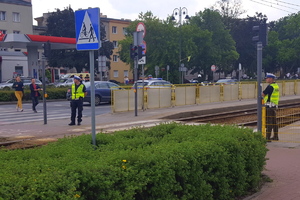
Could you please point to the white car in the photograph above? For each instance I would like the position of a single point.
(152, 83)
(26, 82)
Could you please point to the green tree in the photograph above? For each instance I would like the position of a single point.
(222, 51)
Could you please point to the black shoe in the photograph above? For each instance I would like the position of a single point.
(35, 111)
(274, 138)
(79, 123)
(71, 124)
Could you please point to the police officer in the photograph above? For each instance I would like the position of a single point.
(78, 92)
(271, 99)
(87, 78)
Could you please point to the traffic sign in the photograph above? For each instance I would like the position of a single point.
(141, 27)
(87, 27)
(142, 61)
(213, 68)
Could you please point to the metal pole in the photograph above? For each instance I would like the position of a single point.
(136, 88)
(44, 90)
(259, 86)
(180, 44)
(143, 76)
(92, 80)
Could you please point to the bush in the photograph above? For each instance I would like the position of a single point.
(53, 93)
(169, 161)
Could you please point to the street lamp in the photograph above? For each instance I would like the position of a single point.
(180, 11)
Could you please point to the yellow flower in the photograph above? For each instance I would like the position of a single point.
(124, 160)
(76, 195)
(124, 167)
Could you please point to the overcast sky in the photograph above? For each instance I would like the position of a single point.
(129, 9)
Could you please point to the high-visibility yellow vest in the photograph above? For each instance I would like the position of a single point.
(77, 93)
(274, 99)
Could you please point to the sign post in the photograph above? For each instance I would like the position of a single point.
(87, 27)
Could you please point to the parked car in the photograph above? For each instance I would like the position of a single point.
(226, 81)
(102, 91)
(152, 83)
(26, 82)
(64, 82)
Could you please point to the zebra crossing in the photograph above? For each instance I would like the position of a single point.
(10, 115)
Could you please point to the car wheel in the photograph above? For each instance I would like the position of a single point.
(97, 100)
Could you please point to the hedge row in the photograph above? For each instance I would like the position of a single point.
(169, 161)
(53, 93)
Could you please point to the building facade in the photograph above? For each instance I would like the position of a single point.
(15, 18)
(115, 32)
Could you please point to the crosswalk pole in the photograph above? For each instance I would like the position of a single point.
(44, 91)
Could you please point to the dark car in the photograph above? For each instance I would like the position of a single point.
(102, 91)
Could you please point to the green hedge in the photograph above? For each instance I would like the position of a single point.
(53, 93)
(169, 161)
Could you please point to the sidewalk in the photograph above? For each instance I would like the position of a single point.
(283, 164)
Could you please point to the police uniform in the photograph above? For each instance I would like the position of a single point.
(77, 95)
(271, 99)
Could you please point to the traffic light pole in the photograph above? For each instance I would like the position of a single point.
(135, 88)
(259, 86)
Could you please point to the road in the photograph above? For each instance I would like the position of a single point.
(55, 110)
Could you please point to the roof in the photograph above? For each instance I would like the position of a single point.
(17, 2)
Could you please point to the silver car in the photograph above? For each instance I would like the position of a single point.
(26, 82)
(64, 82)
(152, 83)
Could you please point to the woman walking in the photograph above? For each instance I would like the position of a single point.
(19, 91)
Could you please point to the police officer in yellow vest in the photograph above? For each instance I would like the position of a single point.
(271, 99)
(78, 93)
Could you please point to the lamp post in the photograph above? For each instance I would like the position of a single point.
(180, 11)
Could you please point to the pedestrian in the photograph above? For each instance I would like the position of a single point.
(126, 80)
(34, 93)
(19, 92)
(86, 78)
(81, 77)
(78, 92)
(271, 99)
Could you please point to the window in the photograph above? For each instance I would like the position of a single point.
(2, 15)
(124, 31)
(16, 17)
(116, 73)
(115, 58)
(114, 29)
(126, 73)
(3, 31)
(115, 44)
(16, 32)
(19, 70)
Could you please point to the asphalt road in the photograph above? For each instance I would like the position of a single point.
(55, 110)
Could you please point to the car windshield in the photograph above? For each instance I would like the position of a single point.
(62, 80)
(141, 83)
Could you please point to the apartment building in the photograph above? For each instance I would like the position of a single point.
(116, 31)
(16, 16)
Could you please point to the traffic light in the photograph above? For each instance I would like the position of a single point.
(141, 51)
(47, 49)
(262, 30)
(133, 52)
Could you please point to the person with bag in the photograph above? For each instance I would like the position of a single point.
(34, 93)
(19, 92)
(78, 92)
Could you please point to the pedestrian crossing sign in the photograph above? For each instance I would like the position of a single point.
(87, 26)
